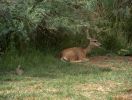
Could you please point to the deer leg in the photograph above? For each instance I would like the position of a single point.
(65, 59)
(77, 61)
(80, 61)
(85, 59)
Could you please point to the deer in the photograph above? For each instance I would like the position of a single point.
(78, 54)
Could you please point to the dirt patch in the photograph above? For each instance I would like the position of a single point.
(125, 96)
(113, 58)
(111, 62)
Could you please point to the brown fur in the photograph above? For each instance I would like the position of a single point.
(78, 54)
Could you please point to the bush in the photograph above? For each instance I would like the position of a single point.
(61, 24)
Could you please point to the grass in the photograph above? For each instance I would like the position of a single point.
(47, 78)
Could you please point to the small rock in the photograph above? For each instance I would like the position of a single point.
(19, 71)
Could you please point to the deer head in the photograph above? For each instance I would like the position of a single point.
(94, 43)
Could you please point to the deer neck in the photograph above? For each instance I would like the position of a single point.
(88, 49)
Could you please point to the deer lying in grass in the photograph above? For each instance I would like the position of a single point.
(78, 54)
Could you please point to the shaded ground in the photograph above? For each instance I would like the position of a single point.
(118, 59)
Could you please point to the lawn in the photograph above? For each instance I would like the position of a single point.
(47, 78)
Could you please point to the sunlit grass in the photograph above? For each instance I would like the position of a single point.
(47, 78)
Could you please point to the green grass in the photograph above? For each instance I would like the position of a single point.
(47, 78)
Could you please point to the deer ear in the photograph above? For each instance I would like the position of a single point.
(89, 38)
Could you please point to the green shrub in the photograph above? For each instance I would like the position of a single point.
(114, 41)
(60, 24)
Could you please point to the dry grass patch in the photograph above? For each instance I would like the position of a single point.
(101, 87)
(92, 90)
(29, 88)
(29, 98)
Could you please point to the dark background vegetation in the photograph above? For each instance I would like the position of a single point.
(56, 24)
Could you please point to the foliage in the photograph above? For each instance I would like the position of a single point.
(57, 23)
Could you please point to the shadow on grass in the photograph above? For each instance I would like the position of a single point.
(54, 71)
(45, 66)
